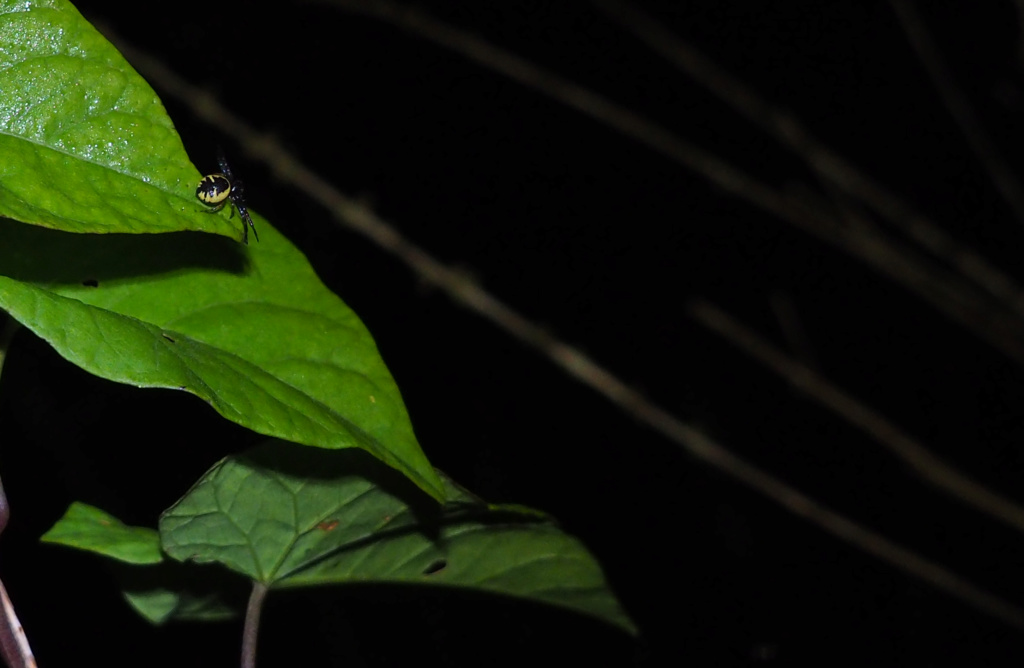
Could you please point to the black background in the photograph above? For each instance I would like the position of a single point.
(603, 241)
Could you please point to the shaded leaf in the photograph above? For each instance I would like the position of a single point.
(290, 517)
(173, 592)
(88, 528)
(157, 589)
(87, 145)
(160, 606)
(254, 333)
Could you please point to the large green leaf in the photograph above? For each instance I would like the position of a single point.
(291, 517)
(86, 144)
(88, 148)
(251, 330)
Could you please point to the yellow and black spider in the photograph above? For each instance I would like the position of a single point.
(214, 190)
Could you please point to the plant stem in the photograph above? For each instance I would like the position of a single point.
(13, 642)
(252, 624)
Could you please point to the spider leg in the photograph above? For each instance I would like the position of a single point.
(225, 169)
(238, 199)
(247, 219)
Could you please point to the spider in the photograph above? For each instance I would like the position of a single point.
(214, 190)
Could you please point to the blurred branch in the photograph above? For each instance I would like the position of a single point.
(958, 300)
(650, 134)
(1002, 329)
(577, 365)
(959, 107)
(818, 389)
(788, 130)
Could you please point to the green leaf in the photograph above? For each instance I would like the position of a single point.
(157, 589)
(74, 113)
(173, 592)
(87, 528)
(289, 517)
(251, 330)
(160, 606)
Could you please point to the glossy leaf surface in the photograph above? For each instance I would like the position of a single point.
(87, 146)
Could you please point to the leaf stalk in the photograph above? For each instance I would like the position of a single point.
(252, 624)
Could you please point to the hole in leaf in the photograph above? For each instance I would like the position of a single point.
(168, 338)
(435, 567)
(91, 283)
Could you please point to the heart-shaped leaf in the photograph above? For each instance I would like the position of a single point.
(87, 146)
(290, 517)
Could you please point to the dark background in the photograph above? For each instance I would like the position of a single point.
(602, 241)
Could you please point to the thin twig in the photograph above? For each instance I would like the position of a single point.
(960, 301)
(788, 130)
(815, 387)
(252, 624)
(471, 295)
(13, 642)
(959, 107)
(975, 311)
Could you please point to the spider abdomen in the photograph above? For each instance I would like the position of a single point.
(214, 189)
